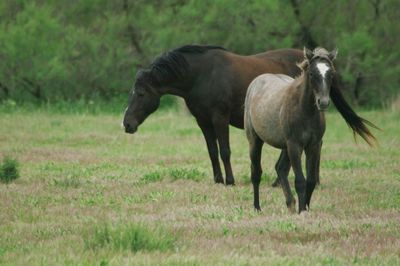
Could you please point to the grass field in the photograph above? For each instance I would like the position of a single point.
(89, 194)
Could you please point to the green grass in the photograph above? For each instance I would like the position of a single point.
(151, 177)
(68, 182)
(89, 194)
(186, 174)
(131, 237)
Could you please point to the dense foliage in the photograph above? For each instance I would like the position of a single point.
(53, 50)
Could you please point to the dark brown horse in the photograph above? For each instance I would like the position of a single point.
(213, 82)
(288, 114)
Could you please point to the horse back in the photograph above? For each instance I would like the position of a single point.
(264, 100)
(243, 69)
(223, 77)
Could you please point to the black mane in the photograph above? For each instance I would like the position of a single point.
(172, 65)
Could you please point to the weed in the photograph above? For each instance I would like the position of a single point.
(9, 170)
(188, 174)
(285, 226)
(151, 177)
(103, 263)
(70, 181)
(225, 230)
(133, 237)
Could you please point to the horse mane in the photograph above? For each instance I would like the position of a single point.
(354, 121)
(172, 65)
(303, 65)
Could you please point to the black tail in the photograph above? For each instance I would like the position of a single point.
(355, 122)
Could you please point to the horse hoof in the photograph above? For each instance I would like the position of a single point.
(276, 183)
(302, 210)
(230, 183)
(292, 207)
(218, 181)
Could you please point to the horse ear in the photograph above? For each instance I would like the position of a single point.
(308, 54)
(139, 73)
(332, 55)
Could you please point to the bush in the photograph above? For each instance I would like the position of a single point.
(53, 51)
(9, 170)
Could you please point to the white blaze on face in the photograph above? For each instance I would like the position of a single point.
(122, 122)
(323, 68)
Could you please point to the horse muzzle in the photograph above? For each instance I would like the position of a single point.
(323, 104)
(130, 128)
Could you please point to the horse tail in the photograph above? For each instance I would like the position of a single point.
(355, 122)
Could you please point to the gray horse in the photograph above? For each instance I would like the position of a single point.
(288, 114)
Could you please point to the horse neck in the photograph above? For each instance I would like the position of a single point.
(307, 98)
(176, 88)
(182, 86)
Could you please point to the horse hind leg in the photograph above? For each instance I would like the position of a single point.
(211, 140)
(255, 149)
(221, 126)
(282, 168)
(276, 183)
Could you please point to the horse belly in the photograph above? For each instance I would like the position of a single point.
(266, 121)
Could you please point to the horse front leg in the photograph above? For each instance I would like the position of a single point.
(282, 168)
(318, 182)
(294, 152)
(211, 140)
(313, 156)
(221, 126)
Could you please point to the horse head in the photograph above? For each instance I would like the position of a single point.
(143, 100)
(319, 74)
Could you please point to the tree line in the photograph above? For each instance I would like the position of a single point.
(90, 49)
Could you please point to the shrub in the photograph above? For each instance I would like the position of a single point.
(9, 170)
